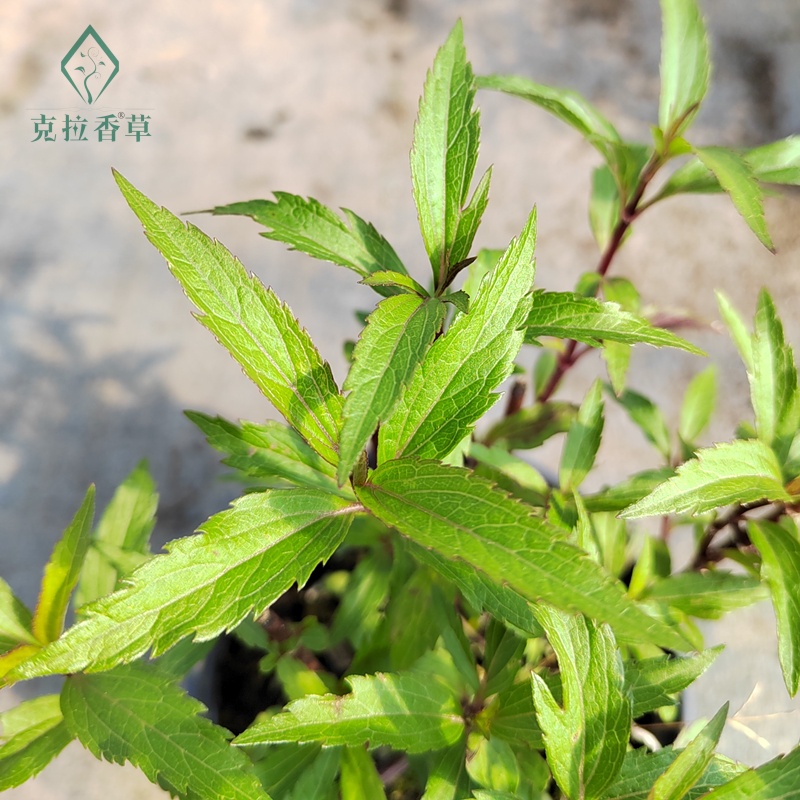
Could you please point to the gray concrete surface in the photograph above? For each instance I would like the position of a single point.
(99, 352)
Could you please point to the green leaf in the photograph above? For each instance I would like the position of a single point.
(406, 711)
(530, 427)
(447, 775)
(778, 779)
(685, 65)
(308, 226)
(618, 358)
(776, 162)
(642, 768)
(62, 572)
(583, 440)
(773, 381)
(398, 334)
(15, 620)
(623, 494)
(780, 570)
(283, 765)
(649, 418)
(484, 263)
(515, 469)
(684, 772)
(698, 405)
(737, 179)
(269, 450)
(604, 206)
(737, 329)
(585, 741)
(459, 299)
(126, 525)
(443, 158)
(398, 280)
(653, 682)
(708, 595)
(319, 781)
(515, 718)
(480, 591)
(31, 735)
(245, 558)
(742, 471)
(250, 322)
(359, 777)
(452, 388)
(567, 315)
(568, 106)
(135, 713)
(493, 765)
(464, 517)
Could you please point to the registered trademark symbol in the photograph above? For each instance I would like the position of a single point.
(120, 114)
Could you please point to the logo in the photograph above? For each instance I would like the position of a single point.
(90, 66)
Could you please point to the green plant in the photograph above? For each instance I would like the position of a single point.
(471, 635)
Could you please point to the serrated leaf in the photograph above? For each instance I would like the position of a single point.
(780, 570)
(698, 405)
(484, 263)
(773, 380)
(15, 620)
(684, 772)
(406, 711)
(249, 320)
(245, 558)
(736, 177)
(652, 682)
(480, 591)
(459, 299)
(135, 713)
(649, 418)
(269, 450)
(570, 107)
(126, 524)
(31, 735)
(307, 225)
(741, 471)
(778, 779)
(708, 595)
(62, 572)
(464, 517)
(583, 440)
(454, 386)
(586, 740)
(567, 315)
(776, 162)
(394, 342)
(623, 494)
(397, 280)
(642, 768)
(443, 158)
(358, 776)
(685, 65)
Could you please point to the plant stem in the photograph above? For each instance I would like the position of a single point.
(627, 215)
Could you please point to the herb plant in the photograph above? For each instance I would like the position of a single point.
(467, 628)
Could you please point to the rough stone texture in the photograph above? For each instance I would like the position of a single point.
(99, 352)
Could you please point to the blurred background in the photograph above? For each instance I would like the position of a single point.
(99, 354)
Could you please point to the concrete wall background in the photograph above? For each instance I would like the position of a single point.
(99, 353)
